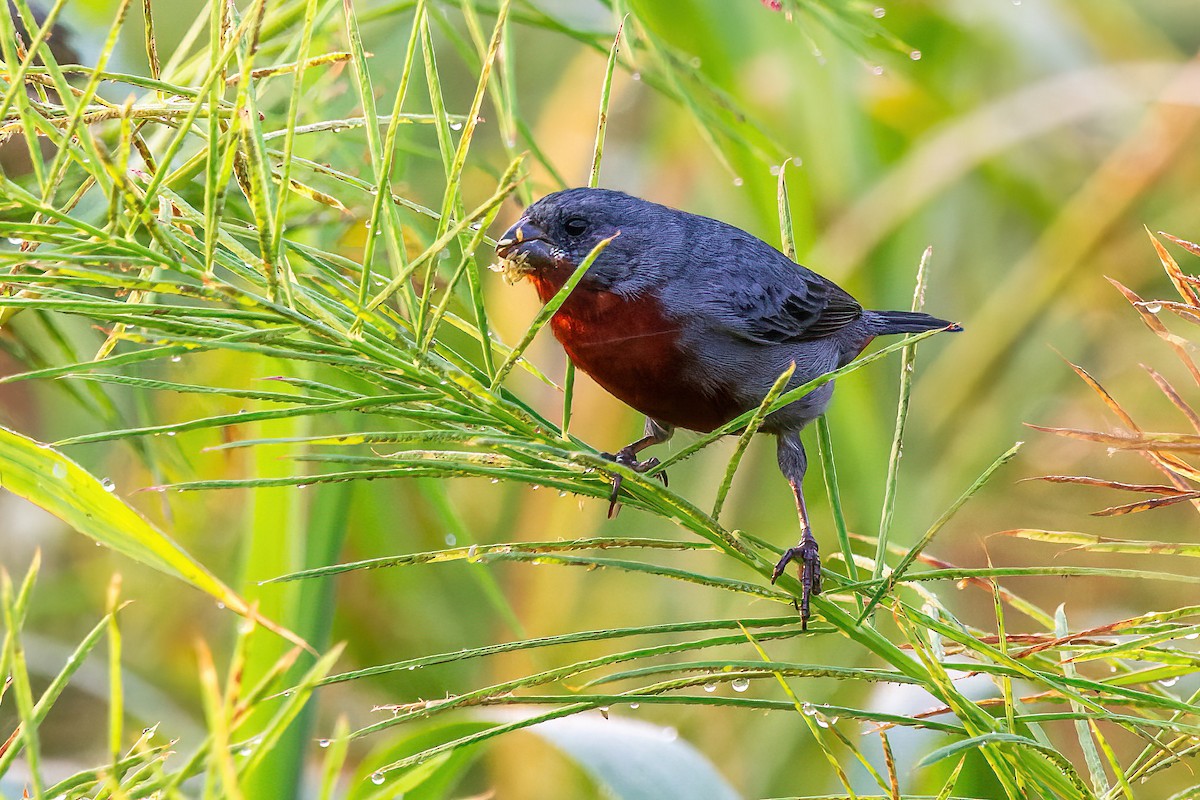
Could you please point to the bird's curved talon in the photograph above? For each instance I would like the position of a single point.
(809, 556)
(627, 457)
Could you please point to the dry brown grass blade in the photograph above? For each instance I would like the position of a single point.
(1145, 505)
(1125, 487)
(1191, 247)
(1181, 310)
(1171, 466)
(1129, 440)
(1151, 444)
(1108, 399)
(1174, 272)
(1174, 397)
(890, 762)
(1177, 343)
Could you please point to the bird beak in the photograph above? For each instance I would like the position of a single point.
(524, 248)
(519, 237)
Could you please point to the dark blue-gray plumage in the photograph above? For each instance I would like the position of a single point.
(691, 321)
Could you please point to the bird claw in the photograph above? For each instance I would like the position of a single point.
(808, 554)
(627, 458)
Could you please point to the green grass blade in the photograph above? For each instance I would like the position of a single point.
(744, 440)
(898, 573)
(907, 366)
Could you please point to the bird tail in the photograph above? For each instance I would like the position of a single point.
(887, 322)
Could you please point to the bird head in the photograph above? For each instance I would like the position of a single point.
(555, 234)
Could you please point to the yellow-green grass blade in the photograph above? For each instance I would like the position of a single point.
(47, 478)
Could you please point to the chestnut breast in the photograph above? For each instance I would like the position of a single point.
(632, 349)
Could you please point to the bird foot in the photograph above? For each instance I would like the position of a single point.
(808, 554)
(627, 457)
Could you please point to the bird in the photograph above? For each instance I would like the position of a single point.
(691, 321)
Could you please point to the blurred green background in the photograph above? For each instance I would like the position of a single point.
(1029, 142)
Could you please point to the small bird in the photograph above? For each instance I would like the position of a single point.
(691, 321)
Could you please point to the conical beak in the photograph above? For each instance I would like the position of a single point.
(520, 238)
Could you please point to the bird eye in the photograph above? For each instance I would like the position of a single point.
(575, 226)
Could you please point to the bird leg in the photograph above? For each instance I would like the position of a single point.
(656, 433)
(793, 463)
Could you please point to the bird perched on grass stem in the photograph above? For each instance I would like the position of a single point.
(691, 321)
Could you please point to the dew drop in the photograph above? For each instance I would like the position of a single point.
(710, 687)
(60, 470)
(808, 709)
(535, 487)
(1154, 307)
(915, 55)
(376, 778)
(456, 126)
(451, 539)
(176, 359)
(603, 711)
(220, 605)
(495, 480)
(1016, 2)
(633, 706)
(287, 692)
(740, 684)
(1192, 636)
(16, 241)
(245, 751)
(879, 13)
(1169, 682)
(322, 743)
(108, 485)
(562, 493)
(821, 721)
(738, 181)
(637, 76)
(695, 62)
(774, 169)
(876, 70)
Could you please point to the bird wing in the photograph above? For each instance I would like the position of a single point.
(776, 301)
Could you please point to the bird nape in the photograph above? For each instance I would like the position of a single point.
(691, 321)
